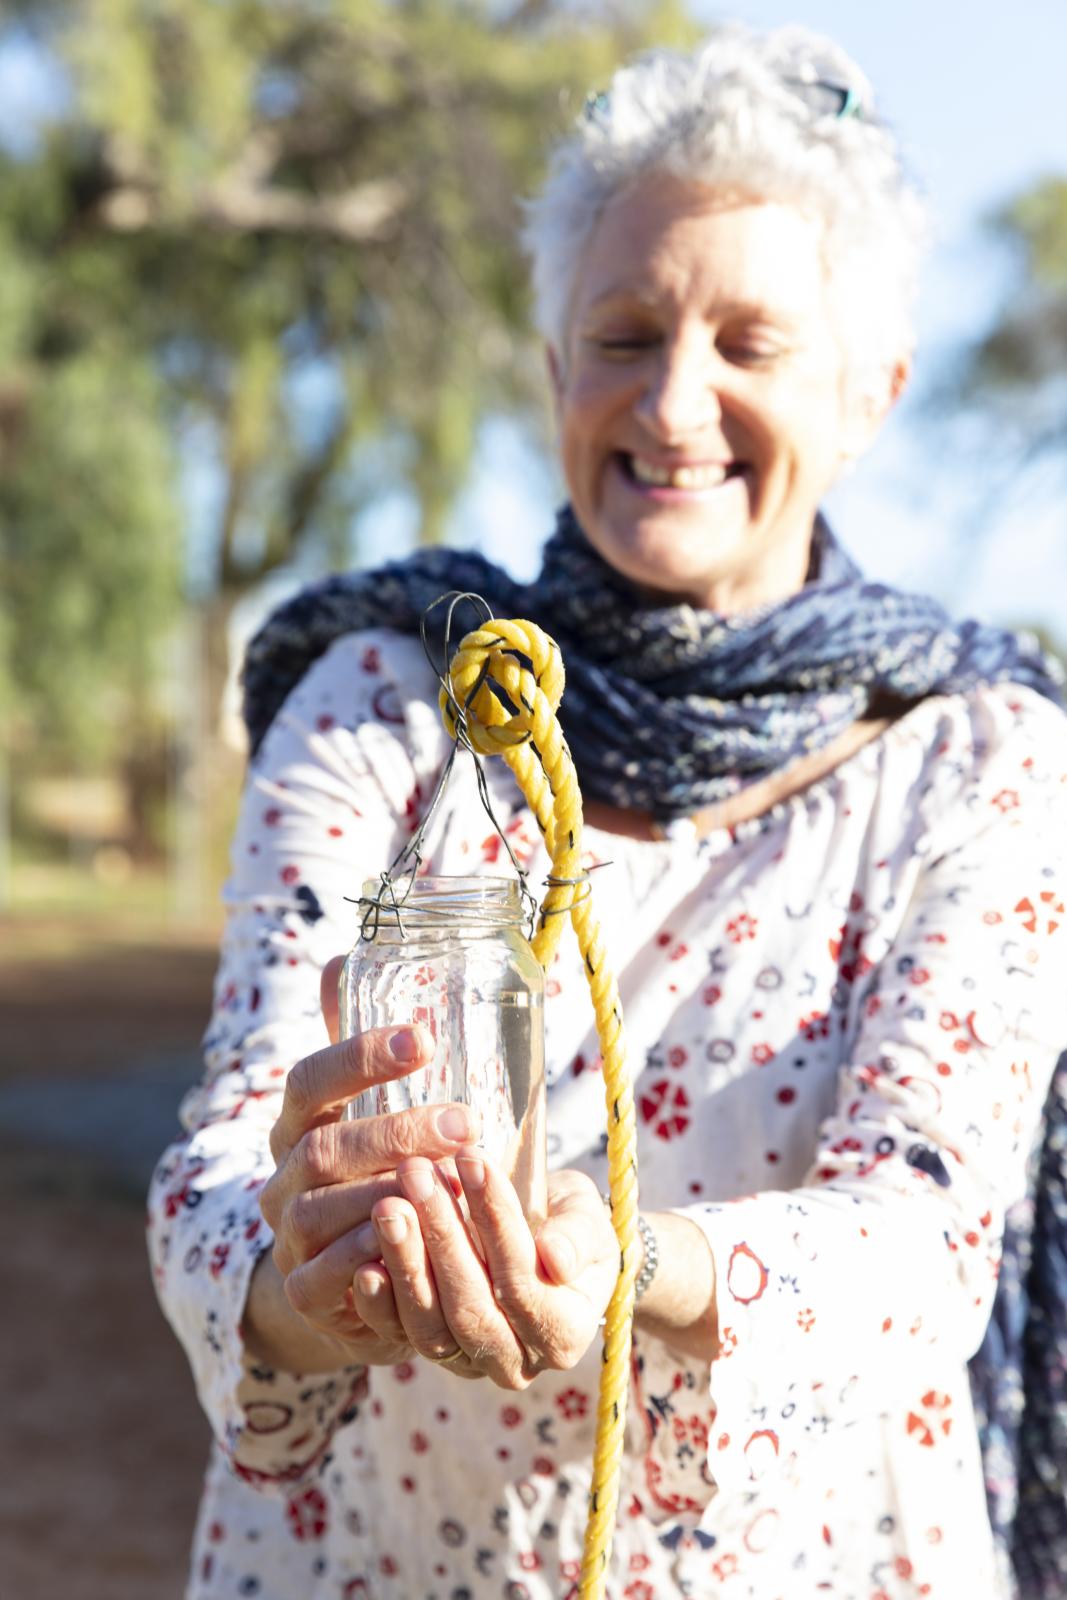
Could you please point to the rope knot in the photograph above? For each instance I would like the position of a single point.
(505, 684)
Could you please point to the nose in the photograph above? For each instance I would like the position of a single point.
(681, 396)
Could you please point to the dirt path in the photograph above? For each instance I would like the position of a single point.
(103, 1444)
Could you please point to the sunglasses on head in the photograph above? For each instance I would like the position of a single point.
(826, 98)
(821, 95)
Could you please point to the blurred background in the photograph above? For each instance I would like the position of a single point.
(263, 314)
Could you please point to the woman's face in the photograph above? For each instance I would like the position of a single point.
(701, 397)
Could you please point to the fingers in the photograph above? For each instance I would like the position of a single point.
(443, 1294)
(375, 1300)
(573, 1237)
(553, 1307)
(510, 1255)
(340, 1152)
(320, 1085)
(329, 999)
(375, 1303)
(414, 1293)
(320, 1285)
(314, 1218)
(495, 1211)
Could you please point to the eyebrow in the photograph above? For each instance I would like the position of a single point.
(648, 300)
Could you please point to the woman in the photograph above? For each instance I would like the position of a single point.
(836, 828)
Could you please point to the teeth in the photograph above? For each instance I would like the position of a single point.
(703, 477)
(697, 477)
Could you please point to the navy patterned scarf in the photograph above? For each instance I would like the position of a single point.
(668, 709)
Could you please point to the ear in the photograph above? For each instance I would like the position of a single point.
(871, 406)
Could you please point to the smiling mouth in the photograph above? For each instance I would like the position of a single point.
(692, 475)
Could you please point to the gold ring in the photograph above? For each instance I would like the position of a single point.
(446, 1361)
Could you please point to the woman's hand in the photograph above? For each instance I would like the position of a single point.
(532, 1303)
(373, 1258)
(330, 1175)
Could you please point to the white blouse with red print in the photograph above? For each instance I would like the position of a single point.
(842, 1020)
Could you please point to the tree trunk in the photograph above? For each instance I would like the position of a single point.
(207, 767)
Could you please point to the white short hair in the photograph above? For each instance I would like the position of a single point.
(783, 116)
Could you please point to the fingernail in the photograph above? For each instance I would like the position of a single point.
(417, 1182)
(368, 1283)
(405, 1045)
(454, 1124)
(472, 1171)
(391, 1227)
(365, 1237)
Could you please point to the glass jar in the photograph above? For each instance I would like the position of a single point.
(454, 957)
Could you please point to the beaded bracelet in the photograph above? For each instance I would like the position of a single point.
(651, 1257)
(649, 1252)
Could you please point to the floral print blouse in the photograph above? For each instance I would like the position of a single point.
(842, 1019)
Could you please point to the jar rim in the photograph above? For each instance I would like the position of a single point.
(439, 901)
(474, 886)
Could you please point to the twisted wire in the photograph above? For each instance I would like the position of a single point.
(500, 697)
(405, 866)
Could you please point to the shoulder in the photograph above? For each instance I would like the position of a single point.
(995, 755)
(986, 729)
(373, 672)
(369, 689)
(359, 665)
(999, 715)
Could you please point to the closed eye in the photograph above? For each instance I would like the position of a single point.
(747, 355)
(625, 343)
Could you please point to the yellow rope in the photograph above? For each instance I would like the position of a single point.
(525, 665)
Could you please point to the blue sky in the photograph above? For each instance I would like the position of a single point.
(31, 88)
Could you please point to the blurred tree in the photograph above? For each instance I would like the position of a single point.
(1007, 400)
(1019, 369)
(90, 534)
(279, 237)
(90, 570)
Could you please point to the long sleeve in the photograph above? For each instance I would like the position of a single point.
(854, 1295)
(337, 788)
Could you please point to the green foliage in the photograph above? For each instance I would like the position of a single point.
(244, 205)
(1027, 348)
(90, 559)
(285, 182)
(1039, 220)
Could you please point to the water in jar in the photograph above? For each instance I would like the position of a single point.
(455, 959)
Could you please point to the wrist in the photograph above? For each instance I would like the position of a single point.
(280, 1337)
(679, 1305)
